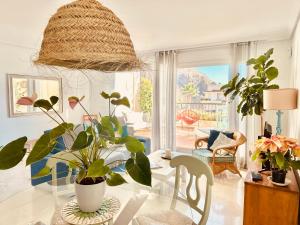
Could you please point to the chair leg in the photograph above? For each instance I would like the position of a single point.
(233, 168)
(217, 168)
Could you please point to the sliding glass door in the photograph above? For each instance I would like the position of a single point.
(200, 105)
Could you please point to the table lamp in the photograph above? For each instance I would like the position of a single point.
(280, 99)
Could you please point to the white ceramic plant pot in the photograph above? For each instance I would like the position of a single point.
(90, 197)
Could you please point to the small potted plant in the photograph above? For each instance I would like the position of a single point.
(87, 151)
(282, 153)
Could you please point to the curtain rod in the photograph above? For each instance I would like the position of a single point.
(201, 46)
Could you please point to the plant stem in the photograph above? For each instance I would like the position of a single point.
(54, 157)
(109, 106)
(115, 162)
(49, 115)
(90, 117)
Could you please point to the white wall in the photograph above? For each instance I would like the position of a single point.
(283, 59)
(18, 60)
(100, 82)
(294, 119)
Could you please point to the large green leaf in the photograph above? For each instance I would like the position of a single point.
(228, 91)
(105, 95)
(115, 95)
(54, 100)
(273, 86)
(272, 73)
(269, 63)
(42, 103)
(255, 155)
(251, 61)
(139, 169)
(81, 175)
(225, 86)
(256, 80)
(234, 80)
(240, 83)
(83, 140)
(97, 169)
(107, 127)
(12, 153)
(73, 164)
(269, 52)
(122, 101)
(279, 159)
(60, 130)
(42, 173)
(261, 59)
(42, 148)
(133, 145)
(115, 179)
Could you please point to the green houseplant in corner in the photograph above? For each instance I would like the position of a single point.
(87, 153)
(250, 90)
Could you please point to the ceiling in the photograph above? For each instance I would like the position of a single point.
(164, 24)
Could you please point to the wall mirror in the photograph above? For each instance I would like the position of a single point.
(23, 85)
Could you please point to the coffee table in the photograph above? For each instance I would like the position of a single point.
(165, 172)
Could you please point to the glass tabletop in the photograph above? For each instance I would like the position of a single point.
(41, 202)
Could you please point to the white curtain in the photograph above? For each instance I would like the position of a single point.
(164, 102)
(250, 125)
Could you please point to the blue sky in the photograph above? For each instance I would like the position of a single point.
(217, 73)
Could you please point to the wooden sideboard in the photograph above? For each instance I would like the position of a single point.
(268, 204)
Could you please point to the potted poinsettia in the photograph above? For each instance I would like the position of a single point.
(87, 152)
(283, 153)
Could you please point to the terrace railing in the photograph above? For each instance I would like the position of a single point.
(191, 114)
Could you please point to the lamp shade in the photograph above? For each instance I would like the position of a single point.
(86, 35)
(280, 99)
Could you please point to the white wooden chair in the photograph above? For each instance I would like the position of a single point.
(196, 168)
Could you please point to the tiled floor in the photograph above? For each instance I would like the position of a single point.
(227, 200)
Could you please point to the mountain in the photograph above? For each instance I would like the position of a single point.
(199, 80)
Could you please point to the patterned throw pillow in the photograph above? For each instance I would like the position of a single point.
(213, 135)
(222, 141)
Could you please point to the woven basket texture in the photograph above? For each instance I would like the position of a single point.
(86, 35)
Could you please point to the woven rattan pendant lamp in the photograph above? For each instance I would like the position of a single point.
(86, 35)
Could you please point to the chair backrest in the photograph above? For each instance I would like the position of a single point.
(196, 168)
(61, 157)
(130, 209)
(239, 138)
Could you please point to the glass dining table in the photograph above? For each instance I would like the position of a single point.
(43, 203)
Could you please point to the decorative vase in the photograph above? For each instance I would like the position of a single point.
(90, 196)
(278, 176)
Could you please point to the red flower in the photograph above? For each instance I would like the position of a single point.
(73, 101)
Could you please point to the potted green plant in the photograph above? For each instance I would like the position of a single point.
(249, 90)
(86, 153)
(282, 153)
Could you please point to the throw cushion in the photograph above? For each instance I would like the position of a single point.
(222, 141)
(214, 135)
